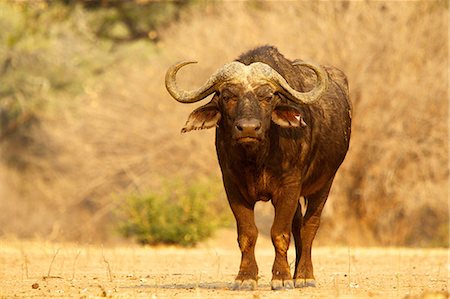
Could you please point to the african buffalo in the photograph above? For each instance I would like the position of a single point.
(283, 130)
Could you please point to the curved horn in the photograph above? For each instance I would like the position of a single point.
(304, 97)
(184, 96)
(228, 71)
(238, 69)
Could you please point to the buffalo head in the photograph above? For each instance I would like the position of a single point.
(246, 99)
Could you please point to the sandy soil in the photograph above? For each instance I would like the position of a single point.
(40, 269)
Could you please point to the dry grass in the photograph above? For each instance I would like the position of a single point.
(123, 133)
(208, 272)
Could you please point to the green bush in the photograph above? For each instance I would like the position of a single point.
(181, 213)
(131, 20)
(48, 55)
(50, 51)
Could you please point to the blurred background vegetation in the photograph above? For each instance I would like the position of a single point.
(89, 138)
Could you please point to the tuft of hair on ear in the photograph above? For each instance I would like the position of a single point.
(288, 116)
(187, 127)
(204, 117)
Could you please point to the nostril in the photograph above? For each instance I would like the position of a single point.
(248, 126)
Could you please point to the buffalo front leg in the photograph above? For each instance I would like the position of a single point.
(281, 233)
(247, 235)
(304, 276)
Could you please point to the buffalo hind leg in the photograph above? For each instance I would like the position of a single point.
(281, 233)
(297, 223)
(308, 226)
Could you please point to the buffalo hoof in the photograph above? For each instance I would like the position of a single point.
(244, 285)
(278, 284)
(305, 283)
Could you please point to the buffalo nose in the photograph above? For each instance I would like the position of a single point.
(248, 126)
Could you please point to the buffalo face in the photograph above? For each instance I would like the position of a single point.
(245, 112)
(246, 99)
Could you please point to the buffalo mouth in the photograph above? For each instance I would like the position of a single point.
(248, 139)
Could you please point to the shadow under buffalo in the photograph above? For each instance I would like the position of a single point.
(184, 286)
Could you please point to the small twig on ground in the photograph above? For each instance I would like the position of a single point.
(108, 266)
(25, 263)
(51, 265)
(218, 265)
(397, 278)
(349, 263)
(74, 263)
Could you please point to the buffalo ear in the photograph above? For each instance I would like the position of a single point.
(288, 116)
(204, 117)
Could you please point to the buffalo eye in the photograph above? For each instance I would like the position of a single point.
(266, 97)
(227, 96)
(265, 94)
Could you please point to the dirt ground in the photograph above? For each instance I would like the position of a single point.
(41, 269)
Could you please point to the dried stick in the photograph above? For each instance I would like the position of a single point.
(74, 263)
(51, 265)
(108, 266)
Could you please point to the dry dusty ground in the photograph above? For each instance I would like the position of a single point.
(82, 271)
